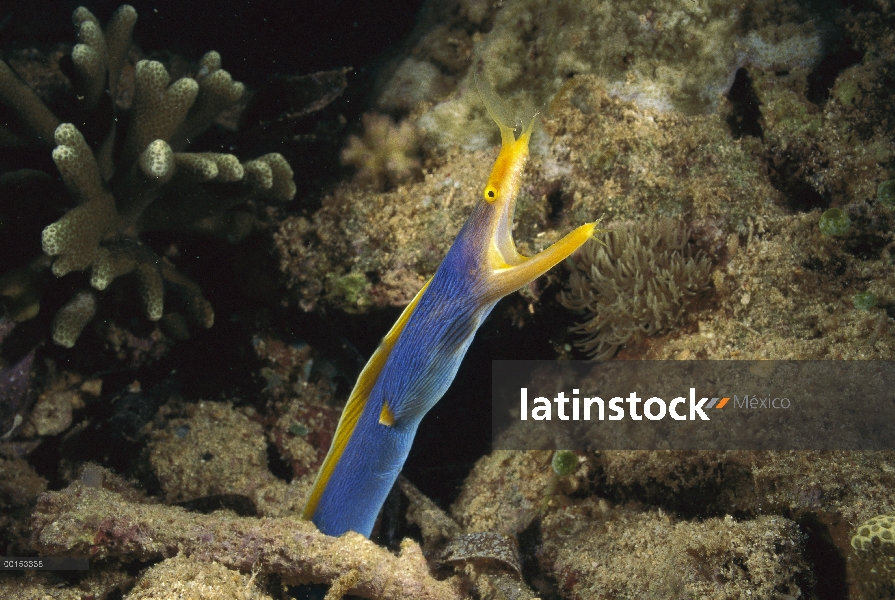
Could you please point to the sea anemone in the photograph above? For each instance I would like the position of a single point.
(641, 281)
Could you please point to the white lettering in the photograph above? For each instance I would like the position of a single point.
(588, 402)
(542, 412)
(633, 400)
(673, 411)
(524, 408)
(696, 407)
(615, 406)
(649, 414)
(561, 402)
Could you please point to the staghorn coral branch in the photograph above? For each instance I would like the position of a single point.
(217, 91)
(210, 166)
(90, 57)
(35, 116)
(143, 182)
(188, 207)
(72, 318)
(100, 523)
(99, 59)
(118, 41)
(158, 109)
(75, 238)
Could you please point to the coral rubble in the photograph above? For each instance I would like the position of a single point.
(100, 523)
(667, 55)
(182, 576)
(626, 554)
(217, 451)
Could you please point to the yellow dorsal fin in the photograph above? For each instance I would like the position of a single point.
(356, 403)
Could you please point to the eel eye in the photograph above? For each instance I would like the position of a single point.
(490, 194)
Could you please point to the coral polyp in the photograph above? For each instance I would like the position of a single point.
(386, 154)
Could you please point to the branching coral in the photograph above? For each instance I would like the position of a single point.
(140, 181)
(641, 281)
(386, 154)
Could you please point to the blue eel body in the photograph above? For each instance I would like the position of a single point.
(418, 373)
(417, 360)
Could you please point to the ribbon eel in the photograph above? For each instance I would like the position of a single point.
(419, 357)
